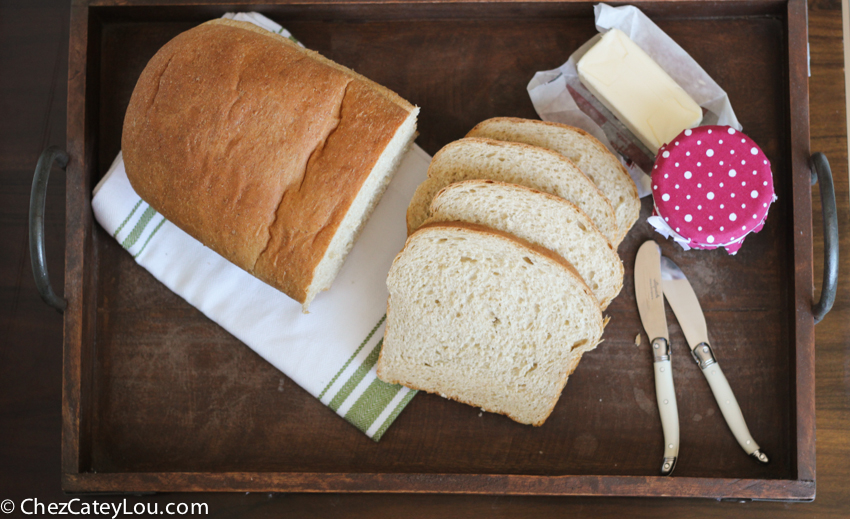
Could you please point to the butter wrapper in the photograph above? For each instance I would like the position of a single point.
(559, 96)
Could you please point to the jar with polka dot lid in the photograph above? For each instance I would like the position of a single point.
(711, 186)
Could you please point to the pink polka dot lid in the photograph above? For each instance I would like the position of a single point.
(712, 186)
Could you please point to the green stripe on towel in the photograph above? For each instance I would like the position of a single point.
(137, 231)
(371, 403)
(136, 255)
(348, 362)
(356, 378)
(127, 219)
(391, 418)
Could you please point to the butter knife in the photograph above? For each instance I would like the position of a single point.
(650, 302)
(682, 299)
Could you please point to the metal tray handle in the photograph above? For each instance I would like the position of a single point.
(38, 197)
(822, 172)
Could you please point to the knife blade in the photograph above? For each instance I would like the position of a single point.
(650, 302)
(683, 300)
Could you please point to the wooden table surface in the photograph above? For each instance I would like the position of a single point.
(33, 79)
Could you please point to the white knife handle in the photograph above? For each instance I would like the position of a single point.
(665, 393)
(726, 400)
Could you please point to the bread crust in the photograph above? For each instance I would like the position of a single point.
(255, 146)
(593, 140)
(480, 127)
(558, 200)
(550, 196)
(516, 146)
(537, 249)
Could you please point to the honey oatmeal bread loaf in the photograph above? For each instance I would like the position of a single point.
(271, 155)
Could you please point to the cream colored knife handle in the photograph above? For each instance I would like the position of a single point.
(731, 411)
(665, 393)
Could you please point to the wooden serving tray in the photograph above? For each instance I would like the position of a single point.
(158, 398)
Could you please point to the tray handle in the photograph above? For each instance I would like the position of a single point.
(38, 198)
(821, 171)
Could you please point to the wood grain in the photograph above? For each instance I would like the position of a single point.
(35, 343)
(174, 393)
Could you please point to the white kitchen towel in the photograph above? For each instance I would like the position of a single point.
(330, 352)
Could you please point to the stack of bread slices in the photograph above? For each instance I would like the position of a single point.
(510, 260)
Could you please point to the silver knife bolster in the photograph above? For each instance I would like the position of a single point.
(660, 349)
(703, 355)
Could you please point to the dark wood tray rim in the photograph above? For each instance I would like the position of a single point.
(317, 482)
(79, 267)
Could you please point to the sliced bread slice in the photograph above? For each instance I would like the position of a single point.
(540, 218)
(590, 155)
(530, 166)
(487, 319)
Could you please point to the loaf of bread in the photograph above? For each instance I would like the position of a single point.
(269, 154)
(539, 218)
(515, 163)
(485, 318)
(590, 155)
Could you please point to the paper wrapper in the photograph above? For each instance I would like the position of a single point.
(559, 96)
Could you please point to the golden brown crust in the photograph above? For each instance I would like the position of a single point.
(254, 146)
(384, 91)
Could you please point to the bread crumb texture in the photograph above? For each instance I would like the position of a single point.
(487, 319)
(540, 218)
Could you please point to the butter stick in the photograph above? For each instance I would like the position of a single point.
(637, 90)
